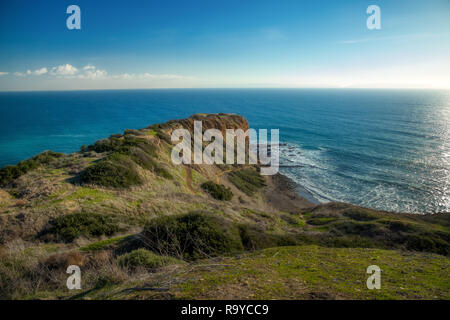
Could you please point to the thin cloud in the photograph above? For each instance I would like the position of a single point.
(398, 37)
(41, 71)
(3, 73)
(91, 72)
(89, 67)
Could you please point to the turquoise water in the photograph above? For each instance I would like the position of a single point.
(385, 149)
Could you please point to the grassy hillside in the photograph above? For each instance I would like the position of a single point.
(130, 218)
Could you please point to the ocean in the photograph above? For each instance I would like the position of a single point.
(383, 149)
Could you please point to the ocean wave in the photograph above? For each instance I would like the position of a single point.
(383, 188)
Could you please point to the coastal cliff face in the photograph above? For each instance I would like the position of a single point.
(122, 211)
(221, 121)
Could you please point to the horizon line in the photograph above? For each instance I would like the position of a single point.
(231, 88)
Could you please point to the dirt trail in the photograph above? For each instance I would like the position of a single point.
(220, 174)
(189, 179)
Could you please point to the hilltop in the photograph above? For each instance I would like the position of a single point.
(131, 219)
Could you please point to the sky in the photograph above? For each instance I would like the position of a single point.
(223, 44)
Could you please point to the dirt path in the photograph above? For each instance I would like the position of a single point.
(189, 179)
(220, 174)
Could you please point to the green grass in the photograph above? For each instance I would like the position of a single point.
(103, 244)
(89, 195)
(318, 221)
(315, 272)
(247, 180)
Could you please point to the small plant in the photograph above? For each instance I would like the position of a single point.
(71, 226)
(217, 191)
(146, 259)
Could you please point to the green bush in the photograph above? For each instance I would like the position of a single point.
(428, 243)
(162, 172)
(122, 144)
(193, 235)
(247, 180)
(217, 191)
(364, 229)
(71, 226)
(116, 171)
(10, 173)
(146, 259)
(359, 214)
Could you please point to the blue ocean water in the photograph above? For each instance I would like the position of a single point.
(385, 149)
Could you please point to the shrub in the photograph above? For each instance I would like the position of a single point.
(162, 172)
(428, 243)
(256, 238)
(118, 143)
(364, 229)
(191, 235)
(116, 171)
(10, 173)
(360, 214)
(146, 259)
(397, 226)
(71, 226)
(217, 191)
(247, 180)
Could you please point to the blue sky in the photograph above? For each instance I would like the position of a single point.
(218, 43)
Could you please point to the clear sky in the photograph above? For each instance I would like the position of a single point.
(223, 43)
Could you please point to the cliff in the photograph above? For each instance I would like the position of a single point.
(127, 215)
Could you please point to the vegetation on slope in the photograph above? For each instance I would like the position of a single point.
(217, 191)
(312, 272)
(247, 180)
(116, 171)
(48, 221)
(344, 225)
(145, 259)
(192, 235)
(10, 173)
(71, 226)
